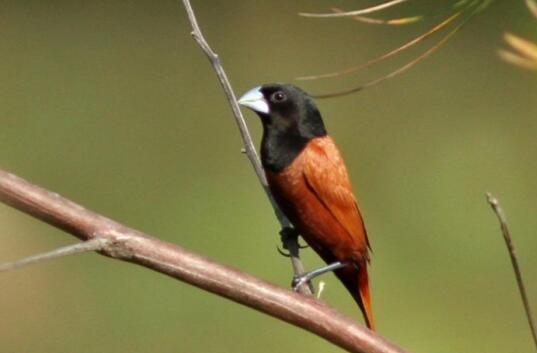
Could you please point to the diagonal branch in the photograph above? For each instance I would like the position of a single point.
(498, 210)
(127, 244)
(290, 243)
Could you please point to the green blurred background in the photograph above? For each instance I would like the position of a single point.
(112, 104)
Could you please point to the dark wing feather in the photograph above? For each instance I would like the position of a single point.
(327, 177)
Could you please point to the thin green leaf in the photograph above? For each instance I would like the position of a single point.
(365, 11)
(380, 21)
(408, 65)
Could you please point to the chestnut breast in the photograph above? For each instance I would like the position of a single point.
(315, 193)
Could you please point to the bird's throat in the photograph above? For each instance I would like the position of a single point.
(279, 149)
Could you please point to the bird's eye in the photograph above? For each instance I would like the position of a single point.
(278, 97)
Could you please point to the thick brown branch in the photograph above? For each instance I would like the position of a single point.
(500, 214)
(127, 244)
(290, 243)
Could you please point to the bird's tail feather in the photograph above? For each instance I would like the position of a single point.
(357, 283)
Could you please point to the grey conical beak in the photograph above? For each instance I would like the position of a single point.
(254, 100)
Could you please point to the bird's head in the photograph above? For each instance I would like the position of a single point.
(284, 108)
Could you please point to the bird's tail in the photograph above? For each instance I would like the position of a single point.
(357, 283)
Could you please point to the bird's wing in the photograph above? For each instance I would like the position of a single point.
(327, 177)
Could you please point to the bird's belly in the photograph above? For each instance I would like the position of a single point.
(319, 228)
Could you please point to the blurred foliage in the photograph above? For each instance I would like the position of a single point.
(111, 104)
(522, 52)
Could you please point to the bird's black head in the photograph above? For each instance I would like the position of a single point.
(290, 120)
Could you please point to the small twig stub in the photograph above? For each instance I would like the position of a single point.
(95, 244)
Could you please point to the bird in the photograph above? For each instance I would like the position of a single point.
(308, 179)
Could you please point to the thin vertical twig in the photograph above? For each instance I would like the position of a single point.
(500, 214)
(290, 243)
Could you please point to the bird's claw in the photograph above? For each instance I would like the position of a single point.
(282, 252)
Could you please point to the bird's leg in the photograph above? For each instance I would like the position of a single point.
(308, 276)
(289, 237)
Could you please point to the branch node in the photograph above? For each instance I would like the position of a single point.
(116, 247)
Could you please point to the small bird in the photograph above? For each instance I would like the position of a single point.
(309, 181)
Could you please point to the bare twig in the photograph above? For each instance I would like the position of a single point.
(494, 203)
(95, 244)
(123, 243)
(290, 243)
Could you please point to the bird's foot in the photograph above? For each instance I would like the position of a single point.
(287, 233)
(290, 244)
(283, 252)
(299, 280)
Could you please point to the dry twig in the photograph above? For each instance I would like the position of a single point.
(494, 203)
(95, 244)
(290, 242)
